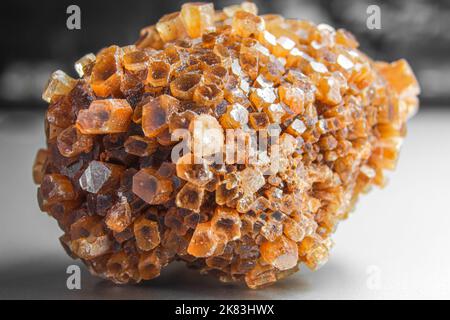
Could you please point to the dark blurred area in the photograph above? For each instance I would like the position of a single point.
(36, 40)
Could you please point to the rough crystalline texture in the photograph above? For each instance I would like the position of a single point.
(127, 209)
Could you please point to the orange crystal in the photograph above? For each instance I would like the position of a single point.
(230, 141)
(105, 116)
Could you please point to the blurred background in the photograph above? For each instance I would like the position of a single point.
(398, 236)
(36, 40)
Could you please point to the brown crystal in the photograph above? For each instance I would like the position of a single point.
(233, 142)
(198, 18)
(71, 142)
(204, 241)
(184, 86)
(190, 197)
(170, 27)
(151, 187)
(39, 165)
(56, 187)
(140, 146)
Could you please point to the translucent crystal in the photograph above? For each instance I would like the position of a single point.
(401, 77)
(158, 73)
(85, 64)
(292, 96)
(235, 117)
(105, 116)
(189, 169)
(140, 146)
(184, 86)
(275, 112)
(156, 113)
(233, 142)
(190, 197)
(39, 165)
(314, 252)
(147, 233)
(150, 187)
(56, 187)
(59, 84)
(208, 95)
(246, 24)
(149, 38)
(88, 239)
(297, 127)
(204, 241)
(262, 97)
(71, 142)
(198, 18)
(251, 180)
(207, 136)
(244, 6)
(106, 73)
(281, 254)
(227, 223)
(150, 264)
(118, 217)
(260, 276)
(258, 120)
(171, 27)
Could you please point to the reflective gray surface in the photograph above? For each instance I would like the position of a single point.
(395, 245)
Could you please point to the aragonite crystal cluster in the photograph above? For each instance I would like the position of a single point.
(128, 208)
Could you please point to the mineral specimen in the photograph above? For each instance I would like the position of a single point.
(227, 140)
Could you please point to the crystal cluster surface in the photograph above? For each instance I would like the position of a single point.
(127, 208)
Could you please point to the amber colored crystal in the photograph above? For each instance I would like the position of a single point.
(281, 253)
(198, 18)
(147, 233)
(170, 27)
(226, 222)
(190, 197)
(232, 142)
(39, 165)
(60, 84)
(258, 120)
(118, 217)
(149, 38)
(207, 135)
(85, 64)
(158, 73)
(140, 146)
(150, 264)
(100, 176)
(204, 241)
(208, 95)
(71, 142)
(106, 73)
(184, 86)
(156, 113)
(235, 117)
